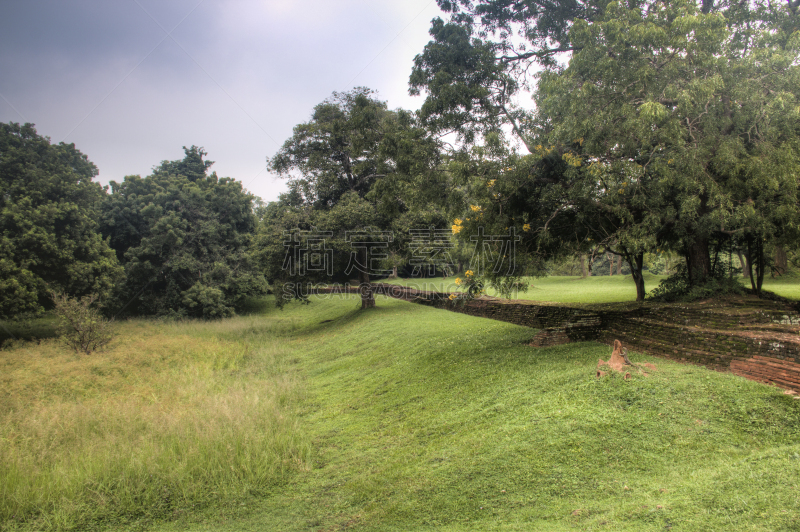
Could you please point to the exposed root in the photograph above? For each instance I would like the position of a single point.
(620, 363)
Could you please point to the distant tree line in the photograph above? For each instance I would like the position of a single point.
(174, 243)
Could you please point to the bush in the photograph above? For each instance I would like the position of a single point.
(676, 287)
(81, 326)
(207, 302)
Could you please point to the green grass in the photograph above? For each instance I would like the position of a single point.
(599, 289)
(787, 286)
(560, 289)
(409, 418)
(19, 332)
(172, 418)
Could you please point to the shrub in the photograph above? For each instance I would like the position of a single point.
(677, 287)
(81, 326)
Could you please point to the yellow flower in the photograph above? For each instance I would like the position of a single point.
(458, 280)
(491, 182)
(468, 273)
(572, 160)
(457, 225)
(526, 227)
(475, 208)
(452, 297)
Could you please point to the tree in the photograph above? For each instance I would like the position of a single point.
(353, 169)
(688, 129)
(488, 51)
(668, 117)
(49, 208)
(183, 240)
(513, 223)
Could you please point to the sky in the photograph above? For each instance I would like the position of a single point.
(130, 82)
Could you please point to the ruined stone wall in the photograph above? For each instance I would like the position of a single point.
(759, 340)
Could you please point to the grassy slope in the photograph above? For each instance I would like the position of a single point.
(402, 418)
(427, 420)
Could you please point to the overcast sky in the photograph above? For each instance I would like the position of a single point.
(132, 81)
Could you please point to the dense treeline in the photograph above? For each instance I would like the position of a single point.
(49, 221)
(657, 129)
(174, 243)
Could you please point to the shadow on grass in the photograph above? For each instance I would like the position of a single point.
(33, 330)
(255, 305)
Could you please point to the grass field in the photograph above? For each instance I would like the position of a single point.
(172, 418)
(600, 289)
(323, 417)
(786, 286)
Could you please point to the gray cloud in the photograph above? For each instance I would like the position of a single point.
(234, 76)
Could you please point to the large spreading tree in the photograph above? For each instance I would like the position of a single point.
(354, 169)
(675, 124)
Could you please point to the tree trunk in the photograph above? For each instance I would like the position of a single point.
(636, 263)
(584, 271)
(755, 256)
(781, 260)
(364, 286)
(698, 261)
(619, 265)
(749, 257)
(743, 260)
(760, 264)
(394, 272)
(610, 264)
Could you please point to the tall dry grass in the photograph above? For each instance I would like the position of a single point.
(171, 417)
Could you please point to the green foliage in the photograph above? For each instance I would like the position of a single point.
(678, 286)
(183, 240)
(472, 284)
(672, 126)
(354, 144)
(81, 325)
(49, 209)
(355, 168)
(209, 300)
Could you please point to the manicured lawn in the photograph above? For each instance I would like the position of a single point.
(601, 289)
(787, 286)
(398, 418)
